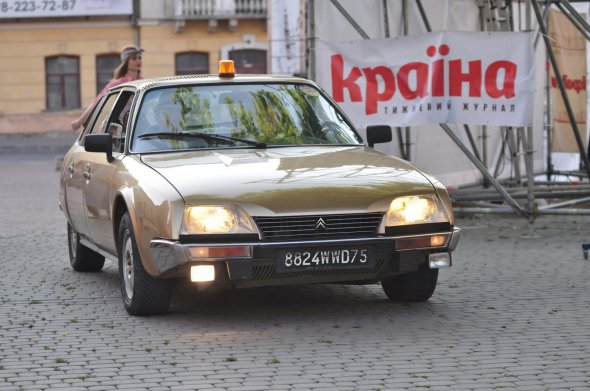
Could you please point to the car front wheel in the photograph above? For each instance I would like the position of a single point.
(82, 258)
(411, 287)
(142, 294)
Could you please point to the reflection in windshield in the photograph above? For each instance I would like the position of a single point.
(251, 114)
(194, 109)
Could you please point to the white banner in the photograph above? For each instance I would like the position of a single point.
(442, 77)
(52, 8)
(569, 46)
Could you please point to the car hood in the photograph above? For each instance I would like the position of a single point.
(291, 180)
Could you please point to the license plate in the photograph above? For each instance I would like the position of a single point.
(325, 258)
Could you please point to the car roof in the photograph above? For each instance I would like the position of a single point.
(144, 84)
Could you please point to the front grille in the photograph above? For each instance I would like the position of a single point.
(337, 226)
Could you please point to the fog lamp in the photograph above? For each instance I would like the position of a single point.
(202, 273)
(439, 260)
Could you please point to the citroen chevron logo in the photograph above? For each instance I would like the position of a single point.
(320, 225)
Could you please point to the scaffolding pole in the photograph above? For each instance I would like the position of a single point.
(405, 32)
(527, 132)
(493, 181)
(560, 83)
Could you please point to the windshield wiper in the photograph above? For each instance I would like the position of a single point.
(209, 136)
(254, 143)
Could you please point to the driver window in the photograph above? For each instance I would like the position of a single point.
(86, 128)
(119, 120)
(100, 122)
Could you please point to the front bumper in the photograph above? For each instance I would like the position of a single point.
(173, 257)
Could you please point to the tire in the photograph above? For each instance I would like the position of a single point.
(142, 294)
(411, 287)
(82, 258)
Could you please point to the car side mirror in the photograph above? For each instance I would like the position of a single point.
(99, 143)
(377, 134)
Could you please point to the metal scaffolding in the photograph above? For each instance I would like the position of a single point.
(494, 195)
(497, 15)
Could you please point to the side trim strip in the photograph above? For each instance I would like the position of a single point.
(94, 247)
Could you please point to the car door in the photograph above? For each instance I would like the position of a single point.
(74, 181)
(99, 172)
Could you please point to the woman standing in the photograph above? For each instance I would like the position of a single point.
(130, 69)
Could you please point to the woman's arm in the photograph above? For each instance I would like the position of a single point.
(80, 121)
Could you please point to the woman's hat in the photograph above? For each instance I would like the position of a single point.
(129, 51)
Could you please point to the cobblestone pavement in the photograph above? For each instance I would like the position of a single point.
(512, 313)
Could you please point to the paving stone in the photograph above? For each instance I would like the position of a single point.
(511, 312)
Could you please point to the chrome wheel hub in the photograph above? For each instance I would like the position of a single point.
(128, 270)
(73, 242)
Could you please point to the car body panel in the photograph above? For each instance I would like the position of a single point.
(283, 181)
(97, 196)
(72, 185)
(154, 206)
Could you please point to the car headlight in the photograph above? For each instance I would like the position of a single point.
(415, 210)
(216, 219)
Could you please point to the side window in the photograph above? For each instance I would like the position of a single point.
(119, 120)
(88, 121)
(100, 122)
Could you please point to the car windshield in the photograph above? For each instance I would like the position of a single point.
(238, 116)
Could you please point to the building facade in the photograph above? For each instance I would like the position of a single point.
(55, 56)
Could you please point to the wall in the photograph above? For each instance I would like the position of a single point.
(23, 49)
(161, 42)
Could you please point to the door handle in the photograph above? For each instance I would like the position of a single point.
(71, 169)
(86, 175)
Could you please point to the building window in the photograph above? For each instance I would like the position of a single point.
(62, 82)
(105, 66)
(249, 60)
(191, 63)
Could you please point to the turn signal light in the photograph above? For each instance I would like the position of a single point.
(206, 252)
(421, 242)
(226, 68)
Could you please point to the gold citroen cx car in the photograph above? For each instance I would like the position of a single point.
(246, 181)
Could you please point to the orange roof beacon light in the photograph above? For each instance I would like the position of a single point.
(226, 68)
